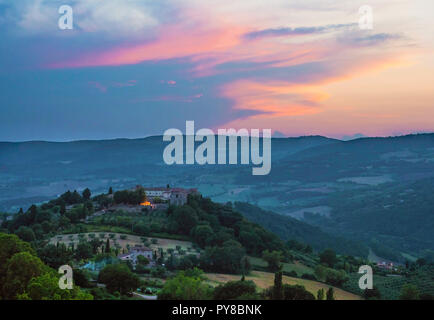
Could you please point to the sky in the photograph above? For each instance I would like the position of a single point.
(134, 68)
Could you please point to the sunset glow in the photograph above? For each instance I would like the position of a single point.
(298, 67)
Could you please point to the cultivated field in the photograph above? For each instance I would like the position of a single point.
(265, 280)
(123, 241)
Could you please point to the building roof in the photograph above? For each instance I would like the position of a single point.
(182, 190)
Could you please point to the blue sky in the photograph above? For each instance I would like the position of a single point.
(136, 68)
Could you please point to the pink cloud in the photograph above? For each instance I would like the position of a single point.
(171, 43)
(169, 82)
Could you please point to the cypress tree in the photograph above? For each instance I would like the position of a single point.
(330, 294)
(277, 289)
(107, 246)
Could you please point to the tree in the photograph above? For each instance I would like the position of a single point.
(81, 278)
(308, 249)
(202, 235)
(273, 259)
(277, 288)
(95, 244)
(320, 294)
(183, 287)
(83, 251)
(62, 209)
(33, 210)
(188, 262)
(9, 245)
(26, 234)
(245, 265)
(110, 191)
(24, 276)
(320, 272)
(225, 259)
(118, 277)
(21, 268)
(235, 289)
(141, 260)
(46, 287)
(183, 219)
(336, 277)
(328, 257)
(64, 222)
(409, 292)
(370, 294)
(107, 246)
(130, 197)
(296, 292)
(330, 294)
(55, 256)
(89, 206)
(86, 194)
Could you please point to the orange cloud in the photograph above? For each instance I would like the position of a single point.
(273, 99)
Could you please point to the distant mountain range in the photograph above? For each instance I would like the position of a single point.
(318, 180)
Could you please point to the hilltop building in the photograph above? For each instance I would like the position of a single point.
(174, 196)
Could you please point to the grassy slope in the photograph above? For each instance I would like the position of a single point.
(287, 267)
(265, 280)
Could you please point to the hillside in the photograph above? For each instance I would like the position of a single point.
(312, 180)
(288, 228)
(38, 171)
(265, 280)
(90, 233)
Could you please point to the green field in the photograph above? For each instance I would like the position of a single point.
(298, 267)
(390, 286)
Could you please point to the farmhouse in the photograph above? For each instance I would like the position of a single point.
(386, 265)
(136, 251)
(173, 196)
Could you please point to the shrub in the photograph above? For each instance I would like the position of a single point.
(309, 276)
(234, 289)
(296, 292)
